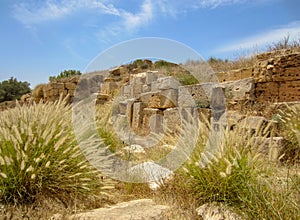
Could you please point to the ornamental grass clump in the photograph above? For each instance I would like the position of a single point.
(290, 125)
(39, 154)
(239, 176)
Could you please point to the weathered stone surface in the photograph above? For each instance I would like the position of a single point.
(161, 100)
(122, 107)
(167, 82)
(136, 89)
(172, 120)
(267, 92)
(150, 172)
(271, 147)
(233, 118)
(289, 91)
(253, 122)
(109, 88)
(239, 90)
(151, 76)
(194, 95)
(217, 211)
(137, 116)
(133, 210)
(234, 75)
(152, 120)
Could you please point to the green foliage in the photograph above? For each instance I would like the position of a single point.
(12, 89)
(239, 177)
(65, 74)
(39, 155)
(163, 63)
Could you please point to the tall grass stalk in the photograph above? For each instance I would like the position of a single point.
(39, 154)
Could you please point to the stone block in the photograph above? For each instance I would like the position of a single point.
(136, 90)
(151, 76)
(108, 88)
(271, 147)
(239, 90)
(161, 100)
(253, 122)
(233, 118)
(267, 92)
(137, 116)
(127, 90)
(167, 82)
(172, 120)
(152, 121)
(288, 74)
(122, 107)
(289, 91)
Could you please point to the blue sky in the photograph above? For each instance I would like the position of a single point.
(40, 38)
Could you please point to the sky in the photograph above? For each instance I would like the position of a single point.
(41, 38)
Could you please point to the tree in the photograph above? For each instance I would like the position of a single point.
(13, 89)
(65, 74)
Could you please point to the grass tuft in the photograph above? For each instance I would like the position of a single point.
(39, 154)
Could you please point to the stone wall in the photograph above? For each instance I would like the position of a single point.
(151, 102)
(277, 78)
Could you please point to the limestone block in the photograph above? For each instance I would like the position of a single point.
(267, 92)
(126, 90)
(154, 86)
(235, 75)
(162, 100)
(289, 91)
(152, 120)
(122, 107)
(167, 82)
(172, 120)
(151, 76)
(108, 88)
(239, 90)
(136, 90)
(195, 95)
(288, 74)
(137, 116)
(138, 79)
(253, 122)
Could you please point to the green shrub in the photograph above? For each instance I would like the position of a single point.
(12, 89)
(39, 154)
(65, 74)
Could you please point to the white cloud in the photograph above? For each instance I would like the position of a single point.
(132, 21)
(29, 14)
(263, 39)
(32, 13)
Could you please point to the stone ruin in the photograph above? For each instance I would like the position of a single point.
(151, 97)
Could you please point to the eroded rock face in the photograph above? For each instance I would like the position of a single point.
(134, 210)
